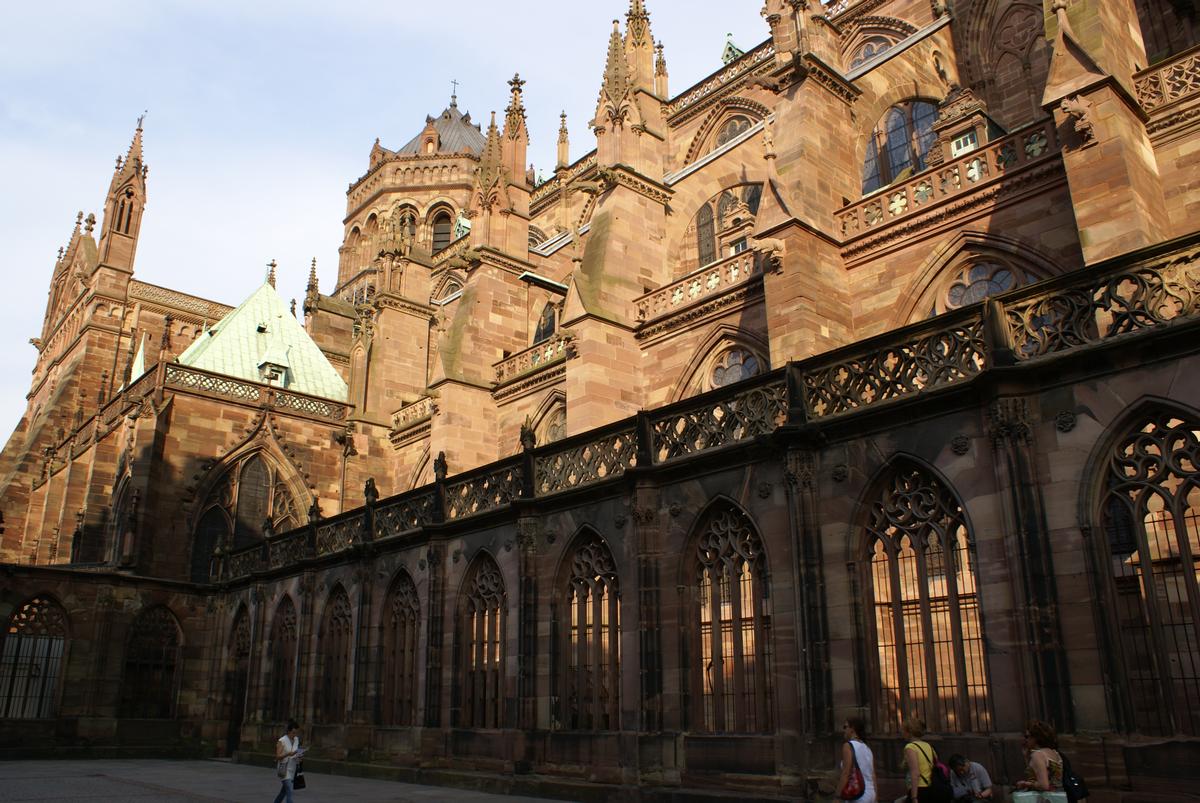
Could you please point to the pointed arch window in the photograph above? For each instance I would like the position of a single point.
(401, 628)
(589, 629)
(898, 145)
(731, 682)
(706, 243)
(480, 646)
(337, 639)
(31, 660)
(1151, 519)
(732, 128)
(545, 325)
(925, 607)
(281, 657)
(252, 493)
(151, 681)
(443, 229)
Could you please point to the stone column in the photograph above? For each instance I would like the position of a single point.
(1042, 654)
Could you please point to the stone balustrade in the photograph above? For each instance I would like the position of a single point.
(993, 162)
(1169, 81)
(539, 355)
(713, 279)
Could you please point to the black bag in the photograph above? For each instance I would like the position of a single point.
(299, 782)
(939, 790)
(1073, 784)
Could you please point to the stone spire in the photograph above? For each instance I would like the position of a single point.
(312, 294)
(564, 143)
(639, 46)
(516, 134)
(614, 102)
(123, 206)
(660, 72)
(514, 115)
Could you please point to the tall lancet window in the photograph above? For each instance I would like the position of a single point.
(479, 641)
(31, 660)
(1151, 519)
(152, 654)
(281, 657)
(731, 668)
(337, 639)
(589, 637)
(401, 625)
(925, 607)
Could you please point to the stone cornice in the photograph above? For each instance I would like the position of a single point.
(551, 374)
(627, 177)
(415, 308)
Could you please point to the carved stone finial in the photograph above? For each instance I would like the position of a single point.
(439, 467)
(89, 223)
(78, 220)
(271, 273)
(370, 492)
(314, 510)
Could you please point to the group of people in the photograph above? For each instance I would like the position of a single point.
(968, 780)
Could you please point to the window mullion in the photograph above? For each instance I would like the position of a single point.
(900, 635)
(932, 692)
(950, 561)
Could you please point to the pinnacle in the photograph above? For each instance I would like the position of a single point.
(312, 275)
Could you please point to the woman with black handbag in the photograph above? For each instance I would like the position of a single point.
(287, 760)
(857, 781)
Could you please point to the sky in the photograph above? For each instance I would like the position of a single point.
(259, 114)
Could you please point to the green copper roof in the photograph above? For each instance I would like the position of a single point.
(263, 331)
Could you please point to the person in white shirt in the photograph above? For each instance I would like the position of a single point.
(287, 754)
(855, 750)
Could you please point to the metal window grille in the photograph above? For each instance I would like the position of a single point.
(31, 660)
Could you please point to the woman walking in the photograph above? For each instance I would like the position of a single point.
(856, 752)
(287, 753)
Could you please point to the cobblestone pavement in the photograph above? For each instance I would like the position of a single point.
(149, 780)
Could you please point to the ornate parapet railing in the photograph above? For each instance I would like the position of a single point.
(557, 348)
(564, 176)
(941, 352)
(1071, 313)
(414, 413)
(405, 514)
(1033, 144)
(710, 280)
(311, 405)
(183, 378)
(191, 379)
(721, 79)
(483, 491)
(338, 535)
(578, 464)
(718, 418)
(1155, 290)
(1169, 81)
(290, 548)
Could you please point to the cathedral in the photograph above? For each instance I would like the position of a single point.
(860, 378)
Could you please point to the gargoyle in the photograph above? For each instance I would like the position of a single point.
(1079, 110)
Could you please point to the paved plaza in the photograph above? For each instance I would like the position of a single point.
(142, 781)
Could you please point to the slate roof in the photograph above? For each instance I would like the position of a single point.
(262, 330)
(456, 132)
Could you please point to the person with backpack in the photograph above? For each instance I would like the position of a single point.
(928, 778)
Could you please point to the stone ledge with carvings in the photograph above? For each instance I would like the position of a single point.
(558, 347)
(212, 310)
(713, 279)
(413, 413)
(1033, 144)
(456, 248)
(1166, 82)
